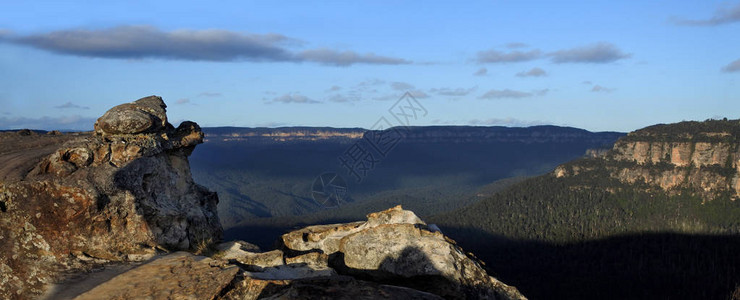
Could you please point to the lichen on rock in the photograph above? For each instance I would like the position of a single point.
(124, 192)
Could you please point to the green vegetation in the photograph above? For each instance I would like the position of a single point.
(718, 131)
(591, 236)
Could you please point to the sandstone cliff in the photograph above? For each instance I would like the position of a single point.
(122, 193)
(698, 157)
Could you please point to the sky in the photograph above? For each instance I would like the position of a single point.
(597, 65)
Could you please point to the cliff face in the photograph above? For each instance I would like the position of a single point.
(703, 157)
(120, 194)
(425, 134)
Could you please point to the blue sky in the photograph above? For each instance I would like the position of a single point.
(598, 65)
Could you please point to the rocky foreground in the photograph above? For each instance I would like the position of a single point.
(392, 255)
(76, 205)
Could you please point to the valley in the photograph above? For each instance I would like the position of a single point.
(561, 213)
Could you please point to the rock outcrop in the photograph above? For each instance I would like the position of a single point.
(123, 197)
(123, 193)
(392, 255)
(395, 246)
(701, 157)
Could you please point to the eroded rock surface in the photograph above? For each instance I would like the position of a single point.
(396, 246)
(392, 256)
(179, 275)
(72, 201)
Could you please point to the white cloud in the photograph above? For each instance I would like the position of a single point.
(453, 92)
(494, 56)
(723, 15)
(294, 98)
(401, 86)
(602, 52)
(506, 93)
(71, 105)
(534, 72)
(597, 88)
(732, 67)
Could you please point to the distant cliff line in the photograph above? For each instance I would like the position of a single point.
(451, 134)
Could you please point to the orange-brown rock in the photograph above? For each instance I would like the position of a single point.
(72, 199)
(703, 157)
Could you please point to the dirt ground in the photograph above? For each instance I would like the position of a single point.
(20, 152)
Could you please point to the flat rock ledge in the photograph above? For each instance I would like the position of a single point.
(392, 255)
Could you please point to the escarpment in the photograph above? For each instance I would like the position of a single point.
(698, 157)
(122, 198)
(122, 193)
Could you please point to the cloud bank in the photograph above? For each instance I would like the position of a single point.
(723, 15)
(494, 56)
(294, 98)
(732, 67)
(534, 72)
(506, 93)
(453, 92)
(140, 42)
(602, 52)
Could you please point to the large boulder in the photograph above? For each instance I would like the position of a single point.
(147, 114)
(396, 246)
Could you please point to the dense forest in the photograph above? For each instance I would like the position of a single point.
(592, 236)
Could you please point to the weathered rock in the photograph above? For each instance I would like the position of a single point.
(393, 247)
(423, 259)
(327, 237)
(235, 249)
(259, 261)
(396, 246)
(176, 276)
(291, 272)
(144, 115)
(313, 259)
(98, 198)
